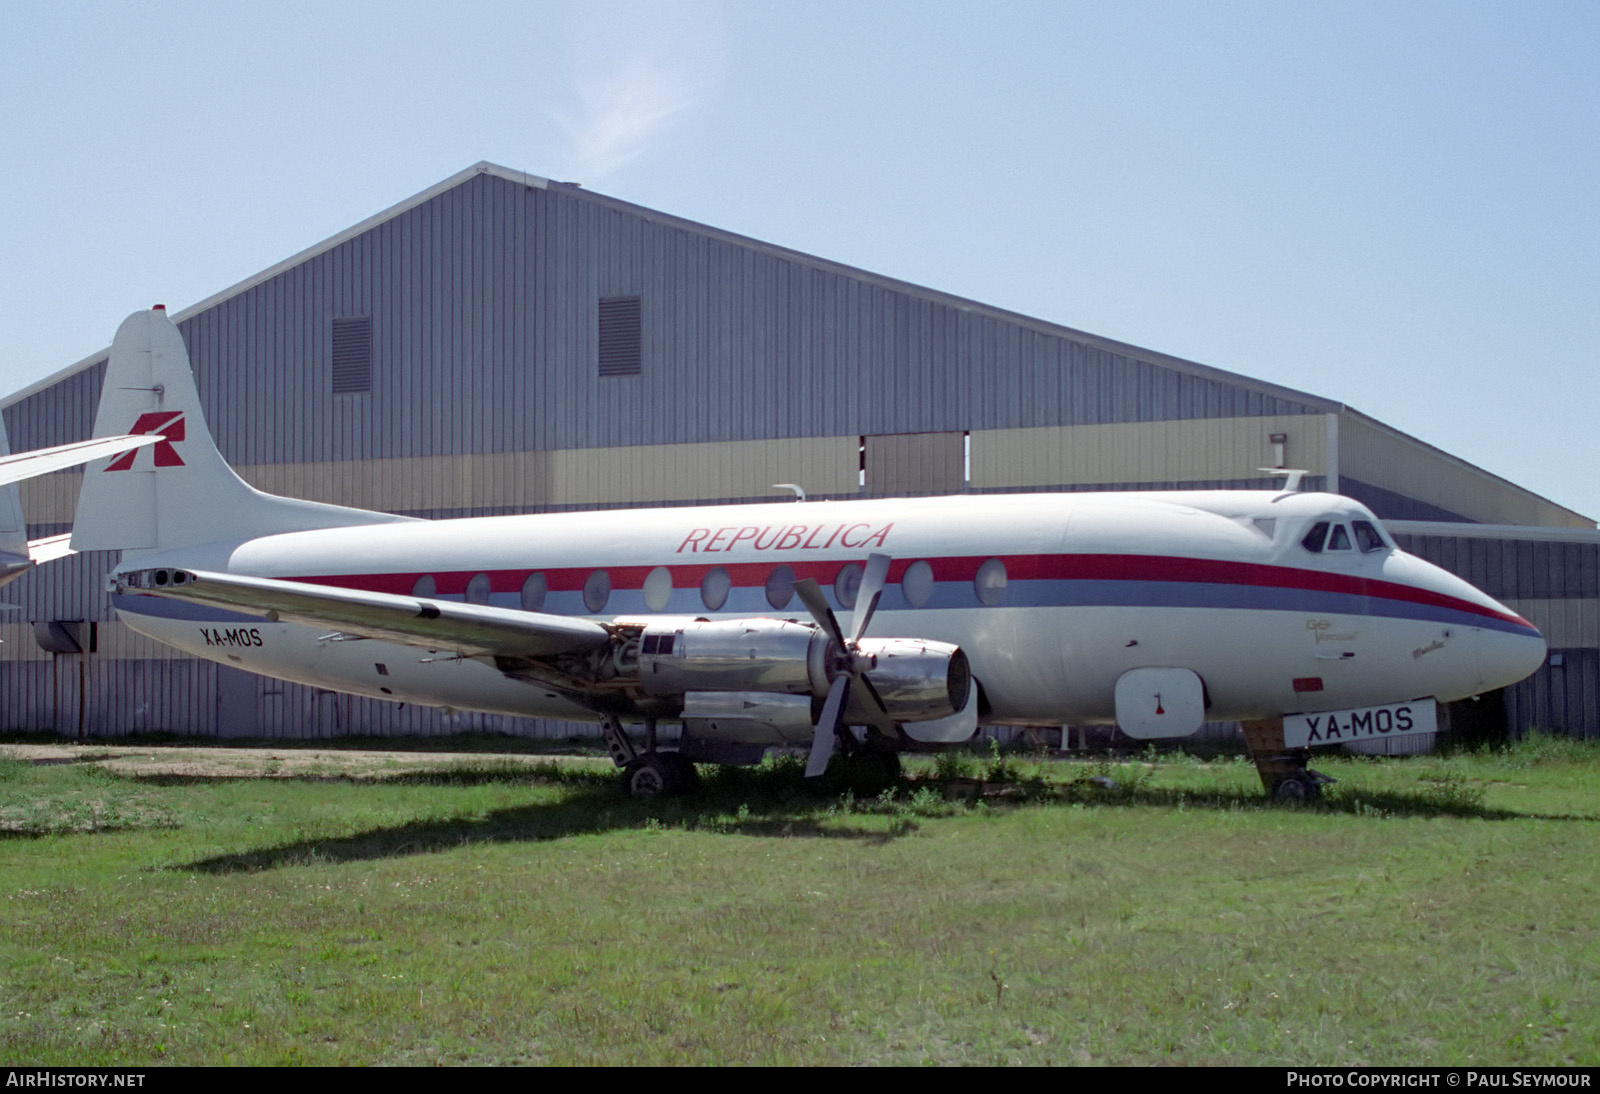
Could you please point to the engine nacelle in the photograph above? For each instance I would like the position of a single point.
(918, 680)
(766, 655)
(749, 717)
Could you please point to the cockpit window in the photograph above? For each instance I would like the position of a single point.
(1339, 540)
(1313, 539)
(1368, 538)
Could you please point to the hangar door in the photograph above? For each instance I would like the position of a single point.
(900, 464)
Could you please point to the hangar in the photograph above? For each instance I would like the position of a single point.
(505, 343)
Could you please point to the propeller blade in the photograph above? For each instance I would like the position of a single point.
(827, 730)
(868, 707)
(810, 594)
(872, 581)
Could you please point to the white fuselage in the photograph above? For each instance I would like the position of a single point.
(1086, 587)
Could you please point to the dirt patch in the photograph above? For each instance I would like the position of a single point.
(256, 763)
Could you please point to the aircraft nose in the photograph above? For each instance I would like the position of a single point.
(1509, 653)
(1506, 647)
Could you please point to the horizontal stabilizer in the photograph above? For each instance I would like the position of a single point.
(50, 548)
(472, 630)
(42, 461)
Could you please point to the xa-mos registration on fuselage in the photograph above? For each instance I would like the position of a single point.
(866, 626)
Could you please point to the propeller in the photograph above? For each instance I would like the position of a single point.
(849, 663)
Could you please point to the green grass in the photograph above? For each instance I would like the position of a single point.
(1437, 910)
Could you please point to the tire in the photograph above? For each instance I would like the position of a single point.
(1297, 789)
(651, 775)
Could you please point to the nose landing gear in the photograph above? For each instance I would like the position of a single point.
(1283, 771)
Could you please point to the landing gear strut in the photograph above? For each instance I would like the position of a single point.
(648, 774)
(1283, 771)
(866, 765)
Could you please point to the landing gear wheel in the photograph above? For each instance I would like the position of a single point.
(652, 775)
(1298, 788)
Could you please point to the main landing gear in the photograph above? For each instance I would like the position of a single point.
(658, 774)
(1283, 771)
(650, 773)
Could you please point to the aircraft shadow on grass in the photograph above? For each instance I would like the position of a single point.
(777, 804)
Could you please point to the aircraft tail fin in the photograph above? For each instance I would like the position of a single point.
(179, 492)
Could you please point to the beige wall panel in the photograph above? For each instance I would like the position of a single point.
(1377, 456)
(1566, 624)
(685, 472)
(51, 499)
(20, 644)
(599, 476)
(1134, 452)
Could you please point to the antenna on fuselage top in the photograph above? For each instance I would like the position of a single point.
(1292, 477)
(799, 491)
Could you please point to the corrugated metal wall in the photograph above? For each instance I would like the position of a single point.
(1555, 584)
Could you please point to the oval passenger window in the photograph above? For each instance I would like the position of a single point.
(533, 591)
(848, 584)
(714, 589)
(917, 584)
(597, 590)
(991, 582)
(658, 589)
(780, 587)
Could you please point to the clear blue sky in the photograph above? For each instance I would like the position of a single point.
(1396, 205)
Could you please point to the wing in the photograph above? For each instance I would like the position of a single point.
(26, 465)
(472, 630)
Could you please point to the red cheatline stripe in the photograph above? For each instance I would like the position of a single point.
(1066, 567)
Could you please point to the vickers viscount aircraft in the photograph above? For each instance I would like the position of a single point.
(1156, 611)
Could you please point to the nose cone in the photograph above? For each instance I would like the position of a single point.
(1510, 652)
(1508, 648)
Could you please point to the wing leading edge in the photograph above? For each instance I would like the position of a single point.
(471, 630)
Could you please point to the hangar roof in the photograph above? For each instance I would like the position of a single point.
(484, 167)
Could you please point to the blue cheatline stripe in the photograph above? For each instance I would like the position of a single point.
(959, 595)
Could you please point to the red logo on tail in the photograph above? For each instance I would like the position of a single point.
(168, 423)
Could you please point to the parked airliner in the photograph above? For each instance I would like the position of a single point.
(1156, 611)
